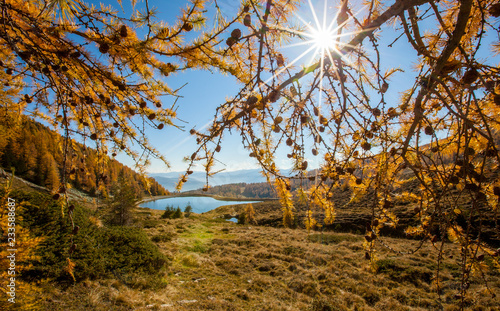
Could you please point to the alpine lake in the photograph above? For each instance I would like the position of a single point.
(199, 204)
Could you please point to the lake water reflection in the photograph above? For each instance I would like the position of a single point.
(199, 204)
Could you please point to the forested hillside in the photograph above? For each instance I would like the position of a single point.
(384, 112)
(35, 153)
(260, 190)
(240, 190)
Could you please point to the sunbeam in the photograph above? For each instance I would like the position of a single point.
(322, 40)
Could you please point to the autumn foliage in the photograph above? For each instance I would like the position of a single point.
(92, 73)
(35, 155)
(442, 131)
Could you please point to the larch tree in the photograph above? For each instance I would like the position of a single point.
(91, 72)
(17, 250)
(98, 74)
(442, 132)
(51, 173)
(250, 214)
(94, 73)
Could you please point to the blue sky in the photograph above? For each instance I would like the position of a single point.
(204, 91)
(201, 93)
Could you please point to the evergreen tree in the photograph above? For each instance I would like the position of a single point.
(188, 210)
(177, 213)
(121, 203)
(242, 219)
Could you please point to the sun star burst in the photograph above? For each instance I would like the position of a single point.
(322, 39)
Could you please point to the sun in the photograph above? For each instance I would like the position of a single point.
(324, 40)
(323, 37)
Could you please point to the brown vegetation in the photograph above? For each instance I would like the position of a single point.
(365, 138)
(219, 265)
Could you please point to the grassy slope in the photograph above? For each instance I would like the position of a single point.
(219, 265)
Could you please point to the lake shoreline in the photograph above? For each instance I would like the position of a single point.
(216, 197)
(200, 203)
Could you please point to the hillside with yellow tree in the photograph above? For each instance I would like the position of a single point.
(368, 95)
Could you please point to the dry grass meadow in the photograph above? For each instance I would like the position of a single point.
(219, 265)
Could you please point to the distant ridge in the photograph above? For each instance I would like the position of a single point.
(197, 180)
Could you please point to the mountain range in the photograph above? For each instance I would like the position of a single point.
(197, 180)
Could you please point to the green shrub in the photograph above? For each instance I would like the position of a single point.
(131, 250)
(151, 223)
(172, 213)
(169, 211)
(242, 219)
(100, 251)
